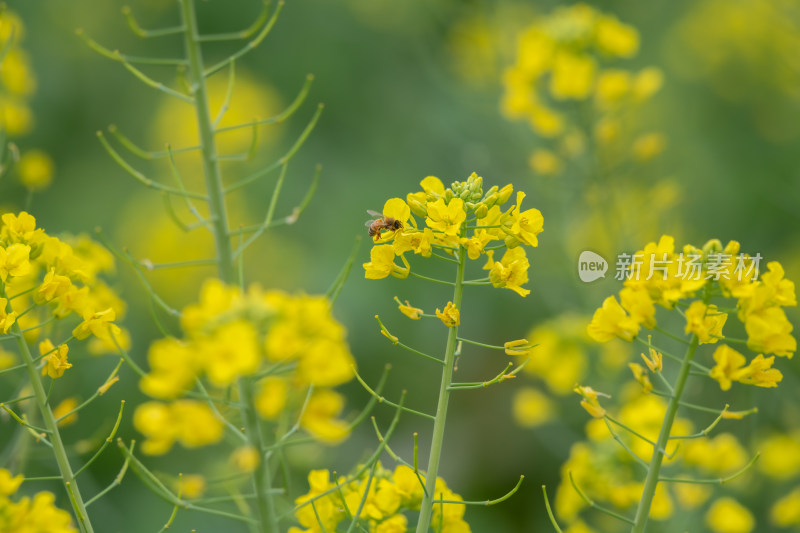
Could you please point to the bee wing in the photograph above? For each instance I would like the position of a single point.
(374, 213)
(368, 223)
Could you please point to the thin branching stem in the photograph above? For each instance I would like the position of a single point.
(59, 450)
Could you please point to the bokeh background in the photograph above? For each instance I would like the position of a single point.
(413, 89)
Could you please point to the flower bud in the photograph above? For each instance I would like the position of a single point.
(491, 200)
(481, 210)
(714, 246)
(448, 195)
(504, 194)
(475, 184)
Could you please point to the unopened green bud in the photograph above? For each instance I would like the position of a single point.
(491, 200)
(448, 195)
(481, 210)
(475, 183)
(504, 194)
(714, 246)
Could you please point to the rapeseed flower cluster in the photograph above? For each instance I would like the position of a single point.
(382, 499)
(44, 278)
(288, 343)
(705, 286)
(658, 275)
(37, 514)
(18, 83)
(570, 55)
(460, 218)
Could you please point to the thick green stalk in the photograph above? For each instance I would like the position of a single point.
(653, 470)
(268, 521)
(60, 453)
(211, 167)
(426, 510)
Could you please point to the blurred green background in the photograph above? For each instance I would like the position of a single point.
(403, 101)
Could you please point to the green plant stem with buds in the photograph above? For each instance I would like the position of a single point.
(426, 510)
(268, 521)
(50, 423)
(651, 482)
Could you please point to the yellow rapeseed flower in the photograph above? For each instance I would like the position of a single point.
(446, 218)
(705, 321)
(55, 362)
(414, 313)
(450, 316)
(511, 272)
(6, 319)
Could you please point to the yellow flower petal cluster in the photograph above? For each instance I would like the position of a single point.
(462, 219)
(659, 275)
(386, 497)
(730, 367)
(189, 422)
(230, 334)
(572, 53)
(720, 455)
(50, 277)
(30, 514)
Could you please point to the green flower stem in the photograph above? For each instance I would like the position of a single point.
(261, 476)
(59, 451)
(428, 498)
(268, 521)
(651, 482)
(211, 167)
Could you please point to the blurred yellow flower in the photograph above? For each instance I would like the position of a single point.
(786, 511)
(545, 162)
(63, 408)
(35, 169)
(726, 515)
(531, 408)
(245, 459)
(271, 397)
(320, 417)
(191, 486)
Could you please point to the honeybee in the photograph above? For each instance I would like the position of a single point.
(380, 223)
